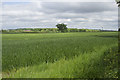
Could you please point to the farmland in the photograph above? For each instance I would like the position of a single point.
(60, 55)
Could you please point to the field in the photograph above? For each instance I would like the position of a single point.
(60, 55)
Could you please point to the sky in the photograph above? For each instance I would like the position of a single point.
(38, 14)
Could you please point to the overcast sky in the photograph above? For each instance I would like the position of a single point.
(89, 15)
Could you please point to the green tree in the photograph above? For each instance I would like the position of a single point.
(62, 27)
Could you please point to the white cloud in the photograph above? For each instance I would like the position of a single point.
(58, 0)
(79, 15)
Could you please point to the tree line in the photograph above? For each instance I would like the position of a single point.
(60, 28)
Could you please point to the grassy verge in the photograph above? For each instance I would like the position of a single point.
(87, 65)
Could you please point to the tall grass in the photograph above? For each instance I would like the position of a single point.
(66, 55)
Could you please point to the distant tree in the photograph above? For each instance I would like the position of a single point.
(62, 27)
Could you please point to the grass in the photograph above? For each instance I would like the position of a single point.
(58, 55)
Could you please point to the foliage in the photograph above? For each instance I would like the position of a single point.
(111, 62)
(62, 27)
(50, 30)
